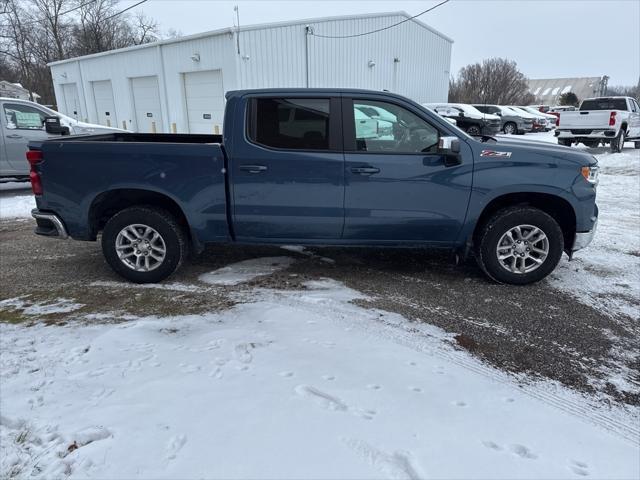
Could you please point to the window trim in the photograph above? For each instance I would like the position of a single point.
(6, 124)
(335, 127)
(349, 130)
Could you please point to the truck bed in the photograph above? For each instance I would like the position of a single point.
(79, 172)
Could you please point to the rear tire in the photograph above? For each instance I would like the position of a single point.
(474, 131)
(510, 128)
(617, 144)
(636, 145)
(144, 244)
(505, 258)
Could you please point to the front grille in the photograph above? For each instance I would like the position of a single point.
(581, 131)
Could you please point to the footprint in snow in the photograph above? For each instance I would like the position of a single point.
(328, 377)
(397, 464)
(175, 445)
(321, 398)
(286, 374)
(460, 403)
(242, 353)
(415, 389)
(374, 387)
(522, 451)
(579, 468)
(491, 445)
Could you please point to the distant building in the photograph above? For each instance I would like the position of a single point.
(179, 84)
(548, 90)
(15, 90)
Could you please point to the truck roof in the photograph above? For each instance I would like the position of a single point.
(309, 91)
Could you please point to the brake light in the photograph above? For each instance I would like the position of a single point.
(612, 119)
(35, 157)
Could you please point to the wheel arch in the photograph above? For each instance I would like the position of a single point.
(105, 205)
(557, 207)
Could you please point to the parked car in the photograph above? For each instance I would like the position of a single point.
(22, 121)
(540, 108)
(612, 120)
(512, 121)
(551, 119)
(154, 197)
(469, 119)
(539, 122)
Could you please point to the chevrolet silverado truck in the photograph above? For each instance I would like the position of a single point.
(292, 167)
(612, 120)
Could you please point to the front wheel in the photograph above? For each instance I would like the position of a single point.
(510, 128)
(519, 245)
(144, 244)
(617, 144)
(474, 131)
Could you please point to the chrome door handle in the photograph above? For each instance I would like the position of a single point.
(365, 170)
(253, 168)
(14, 135)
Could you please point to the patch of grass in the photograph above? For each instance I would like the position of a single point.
(12, 316)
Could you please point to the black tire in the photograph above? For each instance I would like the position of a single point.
(165, 225)
(636, 145)
(563, 142)
(617, 144)
(493, 230)
(474, 131)
(510, 128)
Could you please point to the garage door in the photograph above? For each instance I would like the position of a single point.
(146, 101)
(71, 100)
(105, 107)
(205, 101)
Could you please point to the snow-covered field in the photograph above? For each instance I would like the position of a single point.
(306, 384)
(299, 384)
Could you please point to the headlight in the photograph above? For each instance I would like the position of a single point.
(591, 174)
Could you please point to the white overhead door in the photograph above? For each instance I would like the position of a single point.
(71, 100)
(105, 107)
(204, 97)
(146, 103)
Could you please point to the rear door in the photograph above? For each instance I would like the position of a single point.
(634, 119)
(287, 169)
(105, 106)
(398, 188)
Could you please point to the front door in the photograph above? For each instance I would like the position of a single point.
(398, 187)
(21, 124)
(287, 173)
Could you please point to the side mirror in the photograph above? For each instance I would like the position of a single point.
(52, 125)
(450, 148)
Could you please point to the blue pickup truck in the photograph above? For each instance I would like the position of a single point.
(306, 166)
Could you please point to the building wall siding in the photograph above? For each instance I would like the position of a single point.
(273, 56)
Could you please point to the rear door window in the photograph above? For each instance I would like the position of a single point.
(291, 123)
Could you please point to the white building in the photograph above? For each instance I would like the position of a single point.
(178, 85)
(16, 90)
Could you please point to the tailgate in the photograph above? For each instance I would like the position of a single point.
(585, 119)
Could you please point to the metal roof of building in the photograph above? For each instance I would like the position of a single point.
(548, 90)
(261, 26)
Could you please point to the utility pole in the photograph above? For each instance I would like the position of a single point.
(237, 10)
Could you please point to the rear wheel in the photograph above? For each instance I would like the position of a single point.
(519, 245)
(636, 145)
(144, 244)
(510, 128)
(617, 144)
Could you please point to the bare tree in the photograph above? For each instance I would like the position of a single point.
(495, 81)
(145, 29)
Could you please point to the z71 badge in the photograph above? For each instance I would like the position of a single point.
(493, 153)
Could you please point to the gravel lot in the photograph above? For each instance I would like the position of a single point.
(537, 330)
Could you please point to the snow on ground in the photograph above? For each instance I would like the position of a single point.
(14, 184)
(606, 275)
(300, 384)
(18, 206)
(244, 271)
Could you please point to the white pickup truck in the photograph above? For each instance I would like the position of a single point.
(612, 120)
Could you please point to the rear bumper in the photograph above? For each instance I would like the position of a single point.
(49, 225)
(585, 133)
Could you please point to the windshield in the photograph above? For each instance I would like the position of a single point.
(604, 104)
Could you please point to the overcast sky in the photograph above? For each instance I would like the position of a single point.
(547, 38)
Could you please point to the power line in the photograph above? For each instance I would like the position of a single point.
(383, 28)
(33, 22)
(129, 8)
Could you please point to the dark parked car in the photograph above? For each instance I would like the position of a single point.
(512, 121)
(292, 168)
(467, 118)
